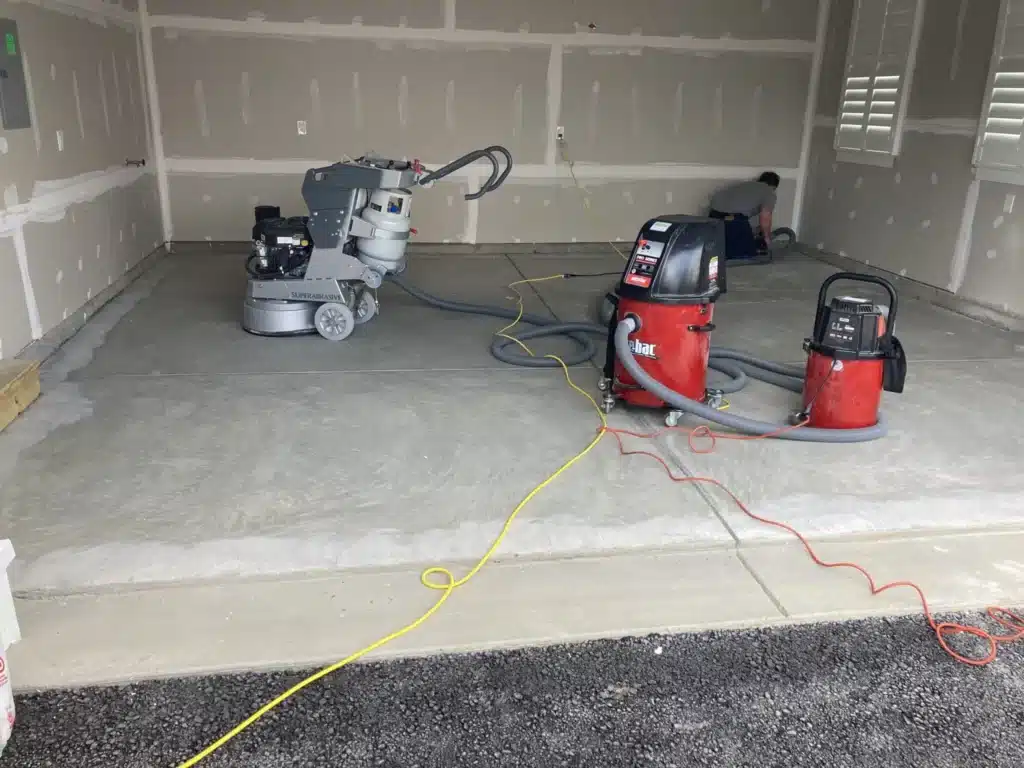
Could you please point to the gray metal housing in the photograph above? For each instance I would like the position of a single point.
(332, 275)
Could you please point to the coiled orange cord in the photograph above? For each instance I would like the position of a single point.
(943, 630)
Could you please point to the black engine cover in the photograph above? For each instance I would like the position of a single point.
(280, 245)
(676, 260)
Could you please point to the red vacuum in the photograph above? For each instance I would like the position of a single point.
(659, 347)
(672, 280)
(852, 357)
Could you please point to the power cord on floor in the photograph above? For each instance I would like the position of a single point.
(438, 578)
(943, 630)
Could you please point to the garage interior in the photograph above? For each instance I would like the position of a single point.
(281, 496)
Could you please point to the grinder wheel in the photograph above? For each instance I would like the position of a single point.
(366, 308)
(335, 322)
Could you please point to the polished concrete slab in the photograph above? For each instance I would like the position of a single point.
(183, 478)
(950, 462)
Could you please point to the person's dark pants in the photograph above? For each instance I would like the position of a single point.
(740, 242)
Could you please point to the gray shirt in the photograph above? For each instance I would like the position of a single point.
(747, 198)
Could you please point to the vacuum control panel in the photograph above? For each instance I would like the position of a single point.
(853, 324)
(645, 262)
(676, 260)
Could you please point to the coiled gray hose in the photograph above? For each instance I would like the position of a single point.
(506, 350)
(732, 421)
(738, 367)
(780, 231)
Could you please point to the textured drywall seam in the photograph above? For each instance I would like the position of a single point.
(961, 18)
(51, 199)
(821, 32)
(962, 254)
(155, 122)
(50, 202)
(306, 29)
(520, 172)
(473, 212)
(21, 251)
(33, 113)
(144, 98)
(554, 103)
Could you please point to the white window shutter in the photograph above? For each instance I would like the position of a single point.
(1002, 123)
(879, 63)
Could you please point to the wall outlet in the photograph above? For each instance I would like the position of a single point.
(60, 141)
(302, 127)
(560, 133)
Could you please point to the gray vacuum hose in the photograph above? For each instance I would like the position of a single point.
(506, 350)
(738, 423)
(738, 367)
(728, 361)
(783, 231)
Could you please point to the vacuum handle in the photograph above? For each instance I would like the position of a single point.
(708, 328)
(856, 277)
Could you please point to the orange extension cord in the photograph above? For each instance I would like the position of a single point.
(943, 630)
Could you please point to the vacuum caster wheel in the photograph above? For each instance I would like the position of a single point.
(608, 402)
(366, 308)
(602, 384)
(335, 322)
(672, 419)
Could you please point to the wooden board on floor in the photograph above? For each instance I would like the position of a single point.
(19, 387)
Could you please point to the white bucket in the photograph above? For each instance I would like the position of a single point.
(10, 633)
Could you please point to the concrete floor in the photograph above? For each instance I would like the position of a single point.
(176, 464)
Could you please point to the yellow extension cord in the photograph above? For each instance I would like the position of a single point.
(437, 578)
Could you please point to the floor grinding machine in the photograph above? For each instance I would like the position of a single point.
(659, 350)
(320, 272)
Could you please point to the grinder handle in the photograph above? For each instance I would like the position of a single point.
(856, 277)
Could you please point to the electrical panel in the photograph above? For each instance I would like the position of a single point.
(14, 111)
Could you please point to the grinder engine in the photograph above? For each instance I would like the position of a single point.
(281, 247)
(673, 277)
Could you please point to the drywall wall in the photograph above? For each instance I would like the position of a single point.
(993, 274)
(660, 105)
(74, 216)
(553, 210)
(927, 218)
